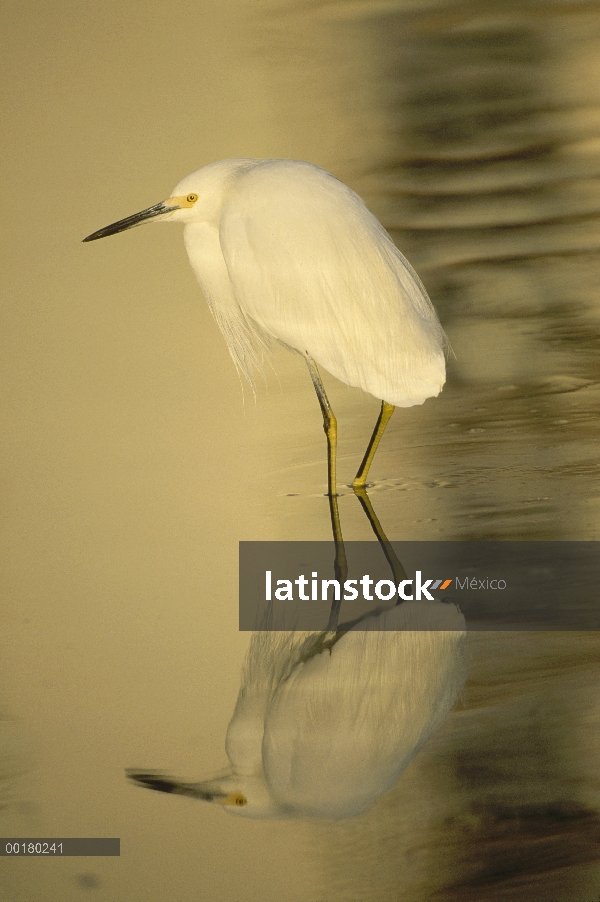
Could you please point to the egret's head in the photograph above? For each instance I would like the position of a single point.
(198, 197)
(246, 796)
(179, 208)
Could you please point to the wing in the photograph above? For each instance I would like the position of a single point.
(315, 270)
(343, 726)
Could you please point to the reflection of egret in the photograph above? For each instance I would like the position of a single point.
(285, 251)
(324, 726)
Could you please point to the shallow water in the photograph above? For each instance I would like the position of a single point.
(133, 465)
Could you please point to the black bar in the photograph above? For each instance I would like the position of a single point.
(496, 585)
(56, 848)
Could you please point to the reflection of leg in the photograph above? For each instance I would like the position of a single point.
(340, 565)
(331, 634)
(329, 425)
(397, 568)
(382, 421)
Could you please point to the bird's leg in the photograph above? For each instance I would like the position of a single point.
(330, 427)
(391, 557)
(382, 421)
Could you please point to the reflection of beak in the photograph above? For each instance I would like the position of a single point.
(131, 221)
(162, 783)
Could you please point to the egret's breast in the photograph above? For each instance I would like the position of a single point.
(206, 259)
(245, 344)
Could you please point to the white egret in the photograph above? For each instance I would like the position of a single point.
(323, 727)
(284, 251)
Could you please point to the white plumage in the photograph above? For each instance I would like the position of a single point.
(285, 252)
(305, 263)
(325, 735)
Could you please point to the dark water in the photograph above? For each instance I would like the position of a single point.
(491, 189)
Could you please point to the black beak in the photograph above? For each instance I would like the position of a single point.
(131, 221)
(162, 783)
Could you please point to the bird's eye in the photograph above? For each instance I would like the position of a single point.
(240, 800)
(192, 198)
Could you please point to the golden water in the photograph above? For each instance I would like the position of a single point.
(133, 466)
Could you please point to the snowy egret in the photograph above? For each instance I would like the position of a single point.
(323, 728)
(284, 251)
